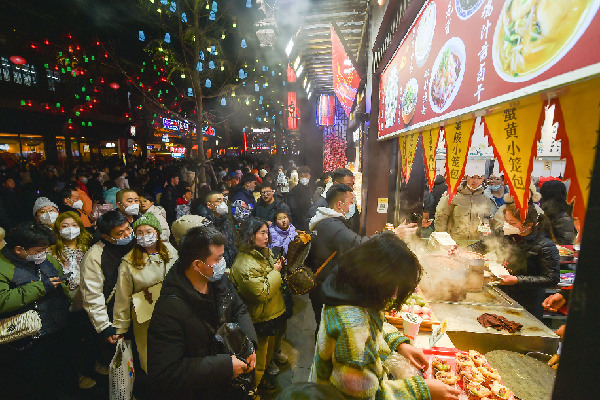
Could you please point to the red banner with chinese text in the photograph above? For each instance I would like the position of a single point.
(514, 133)
(458, 141)
(430, 140)
(345, 77)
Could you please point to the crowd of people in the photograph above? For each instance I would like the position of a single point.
(144, 252)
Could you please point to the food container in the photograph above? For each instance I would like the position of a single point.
(444, 278)
(410, 325)
(476, 264)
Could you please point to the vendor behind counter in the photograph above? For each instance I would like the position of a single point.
(531, 254)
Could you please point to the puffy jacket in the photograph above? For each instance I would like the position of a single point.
(563, 227)
(21, 287)
(463, 216)
(224, 226)
(182, 359)
(258, 284)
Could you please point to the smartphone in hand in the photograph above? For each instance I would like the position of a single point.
(65, 277)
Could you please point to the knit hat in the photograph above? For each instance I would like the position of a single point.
(42, 202)
(148, 219)
(185, 223)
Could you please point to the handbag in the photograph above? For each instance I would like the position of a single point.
(20, 326)
(145, 300)
(302, 279)
(122, 372)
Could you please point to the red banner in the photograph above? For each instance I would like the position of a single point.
(345, 77)
(326, 110)
(292, 111)
(466, 55)
(430, 141)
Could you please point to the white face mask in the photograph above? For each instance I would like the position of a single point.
(510, 230)
(133, 209)
(78, 205)
(36, 258)
(70, 233)
(48, 218)
(304, 181)
(147, 240)
(222, 208)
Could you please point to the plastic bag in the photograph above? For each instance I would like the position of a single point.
(122, 373)
(399, 367)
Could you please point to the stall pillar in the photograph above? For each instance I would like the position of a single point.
(312, 139)
(50, 148)
(577, 378)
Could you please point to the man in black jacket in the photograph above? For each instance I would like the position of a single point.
(168, 199)
(184, 360)
(269, 203)
(332, 235)
(216, 211)
(299, 199)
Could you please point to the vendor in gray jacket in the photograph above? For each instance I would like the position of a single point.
(330, 234)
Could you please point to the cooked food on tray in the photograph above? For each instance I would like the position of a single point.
(532, 34)
(425, 32)
(447, 74)
(440, 365)
(500, 391)
(564, 252)
(477, 358)
(409, 100)
(447, 377)
(489, 373)
(472, 374)
(476, 391)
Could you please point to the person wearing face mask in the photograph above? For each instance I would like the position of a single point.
(128, 204)
(99, 272)
(72, 241)
(533, 258)
(299, 199)
(257, 277)
(141, 269)
(469, 210)
(73, 199)
(216, 211)
(196, 299)
(147, 206)
(30, 279)
(331, 235)
(45, 211)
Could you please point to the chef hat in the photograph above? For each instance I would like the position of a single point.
(475, 167)
(496, 170)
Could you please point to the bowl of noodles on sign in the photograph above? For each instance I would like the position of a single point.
(531, 36)
(466, 8)
(409, 100)
(447, 74)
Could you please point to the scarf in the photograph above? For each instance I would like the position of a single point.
(281, 238)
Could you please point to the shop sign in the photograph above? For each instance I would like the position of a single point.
(180, 150)
(175, 125)
(462, 56)
(411, 148)
(208, 131)
(110, 145)
(345, 77)
(382, 205)
(4, 147)
(458, 141)
(165, 138)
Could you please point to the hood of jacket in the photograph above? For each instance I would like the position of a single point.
(205, 212)
(323, 213)
(439, 180)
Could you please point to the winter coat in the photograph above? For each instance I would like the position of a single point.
(563, 228)
(21, 287)
(462, 217)
(353, 223)
(161, 216)
(534, 260)
(352, 343)
(182, 359)
(242, 202)
(439, 188)
(99, 272)
(299, 201)
(497, 202)
(110, 195)
(258, 284)
(330, 234)
(168, 200)
(132, 280)
(281, 238)
(183, 208)
(267, 211)
(224, 226)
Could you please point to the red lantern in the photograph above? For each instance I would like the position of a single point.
(114, 85)
(18, 60)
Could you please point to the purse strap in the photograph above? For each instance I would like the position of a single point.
(325, 263)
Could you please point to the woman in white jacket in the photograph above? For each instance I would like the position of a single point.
(141, 274)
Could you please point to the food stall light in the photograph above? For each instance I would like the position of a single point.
(296, 63)
(289, 47)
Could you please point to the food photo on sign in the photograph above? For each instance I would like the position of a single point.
(470, 55)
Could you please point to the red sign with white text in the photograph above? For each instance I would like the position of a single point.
(345, 77)
(462, 56)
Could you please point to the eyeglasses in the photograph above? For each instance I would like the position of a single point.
(266, 192)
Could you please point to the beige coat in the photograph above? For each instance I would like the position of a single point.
(132, 280)
(91, 285)
(463, 216)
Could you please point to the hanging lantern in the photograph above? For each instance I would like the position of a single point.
(114, 85)
(18, 60)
